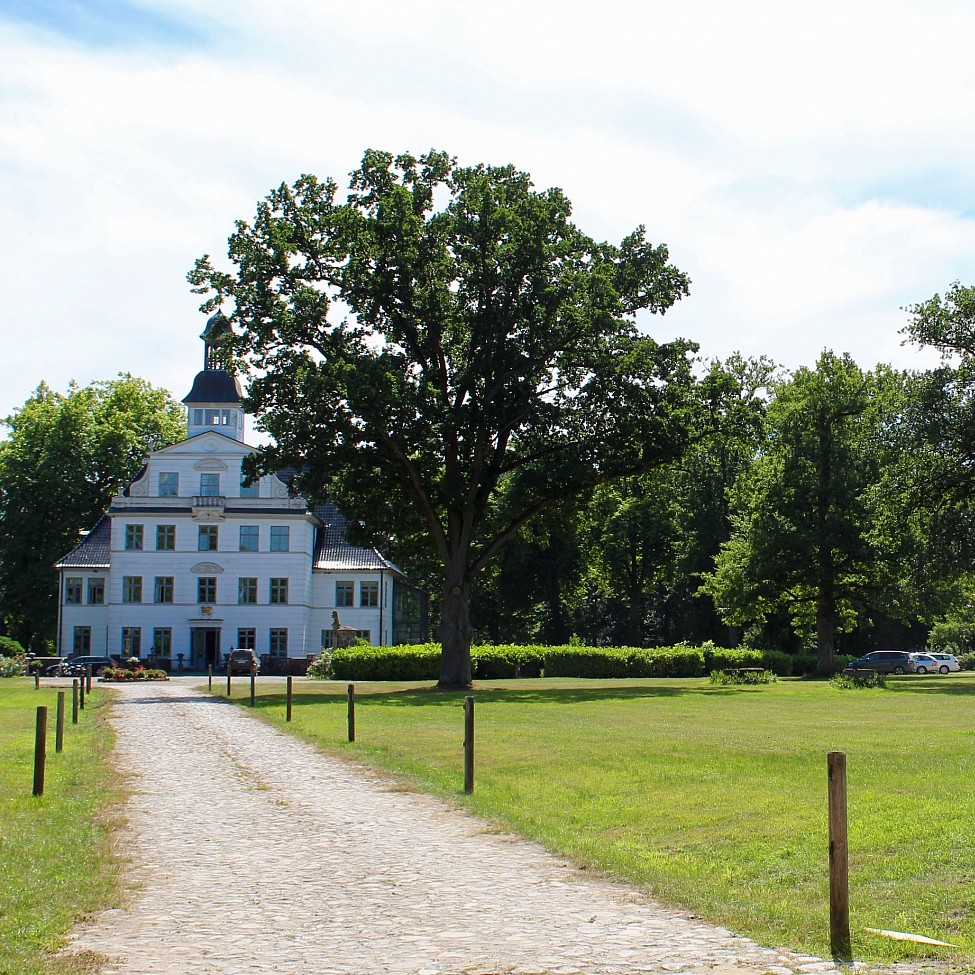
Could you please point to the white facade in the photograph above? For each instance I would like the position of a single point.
(189, 562)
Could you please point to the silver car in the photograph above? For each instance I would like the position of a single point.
(925, 663)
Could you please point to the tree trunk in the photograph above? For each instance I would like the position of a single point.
(825, 634)
(456, 632)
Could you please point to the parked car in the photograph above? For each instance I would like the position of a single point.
(243, 662)
(924, 663)
(886, 662)
(946, 662)
(75, 666)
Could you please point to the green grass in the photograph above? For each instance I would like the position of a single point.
(711, 798)
(55, 857)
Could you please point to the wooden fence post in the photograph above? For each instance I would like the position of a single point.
(74, 701)
(40, 750)
(81, 692)
(287, 710)
(209, 677)
(88, 677)
(253, 688)
(37, 680)
(59, 725)
(351, 712)
(228, 678)
(839, 860)
(468, 744)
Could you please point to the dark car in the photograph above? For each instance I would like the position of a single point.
(243, 662)
(75, 666)
(886, 662)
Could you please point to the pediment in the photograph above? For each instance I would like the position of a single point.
(207, 568)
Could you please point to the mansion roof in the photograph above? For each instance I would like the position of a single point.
(94, 551)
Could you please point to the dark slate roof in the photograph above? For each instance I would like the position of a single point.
(94, 551)
(334, 551)
(214, 386)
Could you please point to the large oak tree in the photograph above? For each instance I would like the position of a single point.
(444, 336)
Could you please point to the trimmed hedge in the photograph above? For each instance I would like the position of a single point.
(422, 661)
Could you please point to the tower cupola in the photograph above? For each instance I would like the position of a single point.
(214, 401)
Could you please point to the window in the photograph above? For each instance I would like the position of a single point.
(279, 538)
(250, 490)
(206, 589)
(279, 643)
(247, 638)
(131, 641)
(164, 589)
(82, 640)
(249, 538)
(168, 484)
(247, 591)
(162, 641)
(165, 538)
(369, 594)
(72, 590)
(209, 485)
(131, 589)
(133, 538)
(207, 541)
(198, 418)
(279, 591)
(96, 591)
(344, 593)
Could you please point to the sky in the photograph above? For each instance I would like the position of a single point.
(808, 166)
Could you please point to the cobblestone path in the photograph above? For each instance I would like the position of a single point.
(255, 853)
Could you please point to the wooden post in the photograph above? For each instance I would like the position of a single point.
(74, 701)
(253, 687)
(81, 694)
(468, 744)
(228, 678)
(209, 677)
(287, 710)
(351, 712)
(88, 677)
(40, 750)
(839, 860)
(59, 725)
(37, 680)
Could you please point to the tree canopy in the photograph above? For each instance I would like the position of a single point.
(447, 346)
(66, 456)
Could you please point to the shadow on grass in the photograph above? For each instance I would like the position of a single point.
(432, 697)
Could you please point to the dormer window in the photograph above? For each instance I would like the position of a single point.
(168, 484)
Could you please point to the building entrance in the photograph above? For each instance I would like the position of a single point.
(205, 647)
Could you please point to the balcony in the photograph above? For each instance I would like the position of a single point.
(207, 507)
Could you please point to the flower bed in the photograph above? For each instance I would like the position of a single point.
(135, 673)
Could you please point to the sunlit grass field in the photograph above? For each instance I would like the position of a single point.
(712, 798)
(56, 861)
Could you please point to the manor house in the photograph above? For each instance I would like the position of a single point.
(189, 561)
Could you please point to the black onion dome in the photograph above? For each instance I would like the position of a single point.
(214, 386)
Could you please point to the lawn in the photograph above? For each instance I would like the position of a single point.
(55, 857)
(711, 798)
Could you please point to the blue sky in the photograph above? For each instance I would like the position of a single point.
(806, 165)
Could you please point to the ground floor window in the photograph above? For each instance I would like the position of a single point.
(82, 639)
(131, 641)
(247, 638)
(278, 643)
(162, 641)
(328, 641)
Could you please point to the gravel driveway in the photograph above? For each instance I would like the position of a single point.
(255, 853)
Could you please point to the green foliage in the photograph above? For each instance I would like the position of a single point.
(408, 662)
(495, 662)
(66, 457)
(760, 677)
(967, 661)
(446, 351)
(10, 647)
(952, 636)
(852, 682)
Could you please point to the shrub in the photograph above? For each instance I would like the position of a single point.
(763, 677)
(10, 647)
(134, 673)
(419, 661)
(849, 682)
(321, 667)
(967, 661)
(495, 662)
(13, 666)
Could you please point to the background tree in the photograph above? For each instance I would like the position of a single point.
(66, 456)
(804, 541)
(443, 334)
